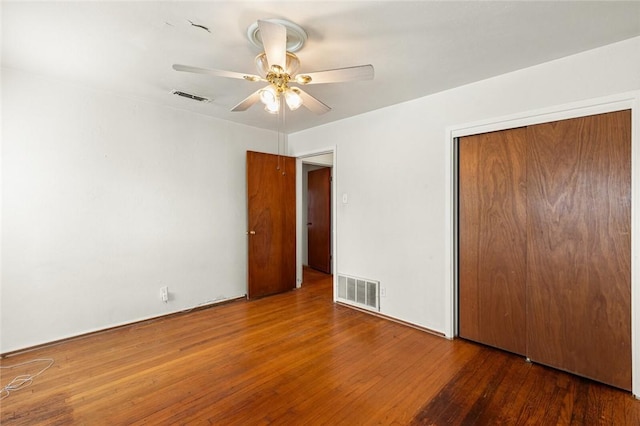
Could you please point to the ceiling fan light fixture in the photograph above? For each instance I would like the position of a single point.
(292, 98)
(268, 95)
(272, 108)
(281, 38)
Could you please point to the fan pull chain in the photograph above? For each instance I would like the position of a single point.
(283, 110)
(278, 131)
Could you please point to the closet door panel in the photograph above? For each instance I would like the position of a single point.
(468, 231)
(579, 246)
(492, 246)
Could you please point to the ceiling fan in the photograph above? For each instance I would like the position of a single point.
(278, 67)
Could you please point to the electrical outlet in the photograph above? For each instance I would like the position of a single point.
(383, 292)
(164, 294)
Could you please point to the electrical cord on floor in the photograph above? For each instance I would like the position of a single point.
(23, 380)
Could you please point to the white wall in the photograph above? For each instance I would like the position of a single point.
(392, 163)
(105, 200)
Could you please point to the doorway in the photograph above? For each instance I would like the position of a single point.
(312, 162)
(318, 219)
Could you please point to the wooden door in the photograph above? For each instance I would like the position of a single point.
(579, 246)
(319, 219)
(271, 223)
(492, 246)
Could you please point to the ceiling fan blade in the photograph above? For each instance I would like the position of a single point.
(338, 75)
(274, 40)
(247, 102)
(312, 103)
(217, 73)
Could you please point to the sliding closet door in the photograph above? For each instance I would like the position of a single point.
(579, 246)
(492, 246)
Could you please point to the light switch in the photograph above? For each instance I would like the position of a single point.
(345, 198)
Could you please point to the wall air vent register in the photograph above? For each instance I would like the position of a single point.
(359, 292)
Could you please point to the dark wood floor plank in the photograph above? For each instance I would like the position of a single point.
(297, 358)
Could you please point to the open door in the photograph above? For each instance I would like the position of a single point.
(319, 219)
(271, 197)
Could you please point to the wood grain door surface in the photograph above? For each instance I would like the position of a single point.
(544, 221)
(579, 246)
(493, 243)
(271, 223)
(319, 219)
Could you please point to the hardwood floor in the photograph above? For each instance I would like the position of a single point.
(297, 358)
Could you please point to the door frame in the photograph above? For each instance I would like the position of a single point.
(627, 100)
(334, 223)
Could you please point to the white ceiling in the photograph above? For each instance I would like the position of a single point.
(417, 48)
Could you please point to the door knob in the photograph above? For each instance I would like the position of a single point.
(309, 224)
(252, 232)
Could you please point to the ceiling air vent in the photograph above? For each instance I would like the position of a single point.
(190, 96)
